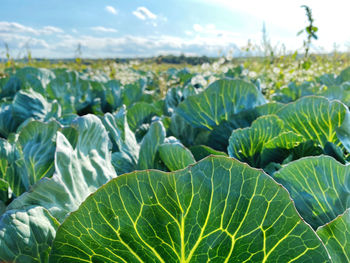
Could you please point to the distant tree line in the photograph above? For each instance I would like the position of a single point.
(182, 59)
(172, 59)
(169, 59)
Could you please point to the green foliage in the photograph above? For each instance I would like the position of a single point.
(315, 118)
(336, 237)
(216, 210)
(310, 31)
(175, 156)
(220, 100)
(266, 140)
(318, 186)
(30, 221)
(65, 134)
(37, 146)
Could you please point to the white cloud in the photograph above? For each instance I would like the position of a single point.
(131, 46)
(16, 41)
(13, 27)
(111, 9)
(48, 30)
(143, 13)
(201, 39)
(63, 45)
(285, 18)
(103, 29)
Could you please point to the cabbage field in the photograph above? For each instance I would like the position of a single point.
(212, 163)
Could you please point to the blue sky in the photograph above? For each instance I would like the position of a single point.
(143, 28)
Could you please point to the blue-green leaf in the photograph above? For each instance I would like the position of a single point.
(315, 118)
(149, 145)
(220, 100)
(319, 187)
(79, 172)
(37, 144)
(30, 104)
(175, 155)
(26, 235)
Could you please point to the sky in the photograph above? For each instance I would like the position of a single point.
(145, 28)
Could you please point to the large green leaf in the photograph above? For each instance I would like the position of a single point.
(125, 147)
(295, 91)
(262, 142)
(183, 131)
(37, 144)
(140, 113)
(122, 163)
(89, 163)
(73, 93)
(220, 135)
(113, 94)
(8, 172)
(31, 104)
(80, 170)
(27, 78)
(319, 187)
(338, 92)
(36, 78)
(327, 79)
(315, 118)
(25, 233)
(344, 75)
(123, 139)
(133, 92)
(175, 155)
(217, 210)
(220, 100)
(8, 123)
(336, 236)
(13, 84)
(149, 146)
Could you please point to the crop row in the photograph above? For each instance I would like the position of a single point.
(92, 170)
